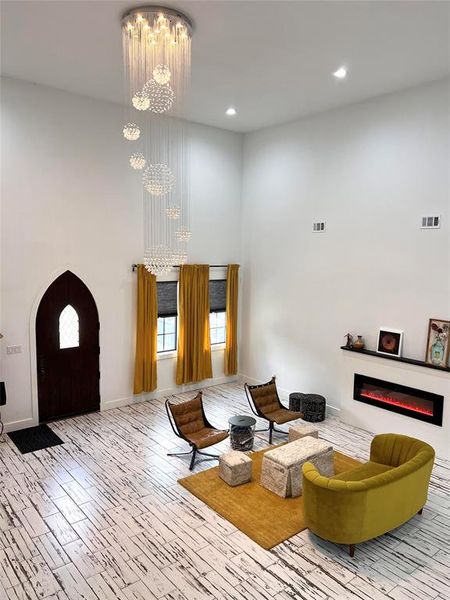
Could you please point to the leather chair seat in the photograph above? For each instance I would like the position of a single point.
(282, 415)
(206, 437)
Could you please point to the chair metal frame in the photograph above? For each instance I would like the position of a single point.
(194, 450)
(260, 414)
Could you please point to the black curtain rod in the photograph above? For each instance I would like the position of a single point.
(134, 266)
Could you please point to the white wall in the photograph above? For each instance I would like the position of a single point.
(70, 201)
(370, 171)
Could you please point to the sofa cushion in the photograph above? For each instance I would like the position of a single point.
(368, 469)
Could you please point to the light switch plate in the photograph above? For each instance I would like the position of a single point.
(13, 349)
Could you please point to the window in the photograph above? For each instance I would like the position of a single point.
(217, 327)
(167, 334)
(217, 307)
(167, 315)
(69, 328)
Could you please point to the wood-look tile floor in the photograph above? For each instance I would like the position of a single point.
(102, 517)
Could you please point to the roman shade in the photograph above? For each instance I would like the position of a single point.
(167, 298)
(217, 295)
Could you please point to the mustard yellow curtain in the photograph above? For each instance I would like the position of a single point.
(194, 345)
(146, 332)
(231, 347)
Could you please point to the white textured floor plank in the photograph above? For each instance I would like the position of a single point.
(102, 517)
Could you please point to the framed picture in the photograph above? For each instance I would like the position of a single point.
(390, 341)
(438, 342)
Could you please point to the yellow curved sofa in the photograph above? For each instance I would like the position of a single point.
(371, 499)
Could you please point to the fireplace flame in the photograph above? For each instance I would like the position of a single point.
(395, 402)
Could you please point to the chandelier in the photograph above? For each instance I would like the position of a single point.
(157, 63)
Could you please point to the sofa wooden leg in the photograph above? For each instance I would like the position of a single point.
(420, 511)
(351, 550)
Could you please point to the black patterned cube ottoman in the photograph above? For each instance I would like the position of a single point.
(312, 406)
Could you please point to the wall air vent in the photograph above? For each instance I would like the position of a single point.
(432, 222)
(319, 227)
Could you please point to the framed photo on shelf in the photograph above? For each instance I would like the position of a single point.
(438, 342)
(390, 341)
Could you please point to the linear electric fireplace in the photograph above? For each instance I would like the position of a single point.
(399, 398)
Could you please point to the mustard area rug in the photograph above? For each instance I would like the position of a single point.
(260, 514)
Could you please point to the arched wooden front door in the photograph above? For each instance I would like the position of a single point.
(67, 347)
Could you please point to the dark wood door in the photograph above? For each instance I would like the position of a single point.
(67, 344)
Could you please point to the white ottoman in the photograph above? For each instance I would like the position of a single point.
(282, 467)
(235, 468)
(297, 432)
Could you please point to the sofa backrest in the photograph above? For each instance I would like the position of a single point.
(394, 449)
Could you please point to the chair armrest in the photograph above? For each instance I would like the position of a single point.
(333, 485)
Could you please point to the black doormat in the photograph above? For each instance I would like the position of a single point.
(35, 438)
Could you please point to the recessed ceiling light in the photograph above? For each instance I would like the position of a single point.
(230, 111)
(341, 73)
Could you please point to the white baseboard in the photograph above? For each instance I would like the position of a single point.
(117, 403)
(109, 404)
(20, 424)
(284, 394)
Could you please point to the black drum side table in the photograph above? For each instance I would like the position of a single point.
(242, 432)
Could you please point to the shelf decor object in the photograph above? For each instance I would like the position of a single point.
(390, 341)
(409, 361)
(156, 45)
(438, 343)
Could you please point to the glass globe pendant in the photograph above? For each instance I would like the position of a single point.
(160, 96)
(158, 179)
(173, 212)
(131, 132)
(159, 260)
(183, 235)
(137, 161)
(141, 101)
(161, 74)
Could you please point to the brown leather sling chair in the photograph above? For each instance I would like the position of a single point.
(189, 423)
(265, 403)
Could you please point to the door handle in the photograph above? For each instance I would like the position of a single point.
(41, 367)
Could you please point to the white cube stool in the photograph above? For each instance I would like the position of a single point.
(297, 432)
(282, 467)
(235, 468)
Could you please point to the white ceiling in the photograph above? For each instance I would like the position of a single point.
(272, 60)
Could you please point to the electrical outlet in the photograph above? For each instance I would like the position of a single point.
(431, 222)
(319, 227)
(13, 349)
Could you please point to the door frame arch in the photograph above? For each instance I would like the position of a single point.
(81, 274)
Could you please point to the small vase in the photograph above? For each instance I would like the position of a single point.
(358, 344)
